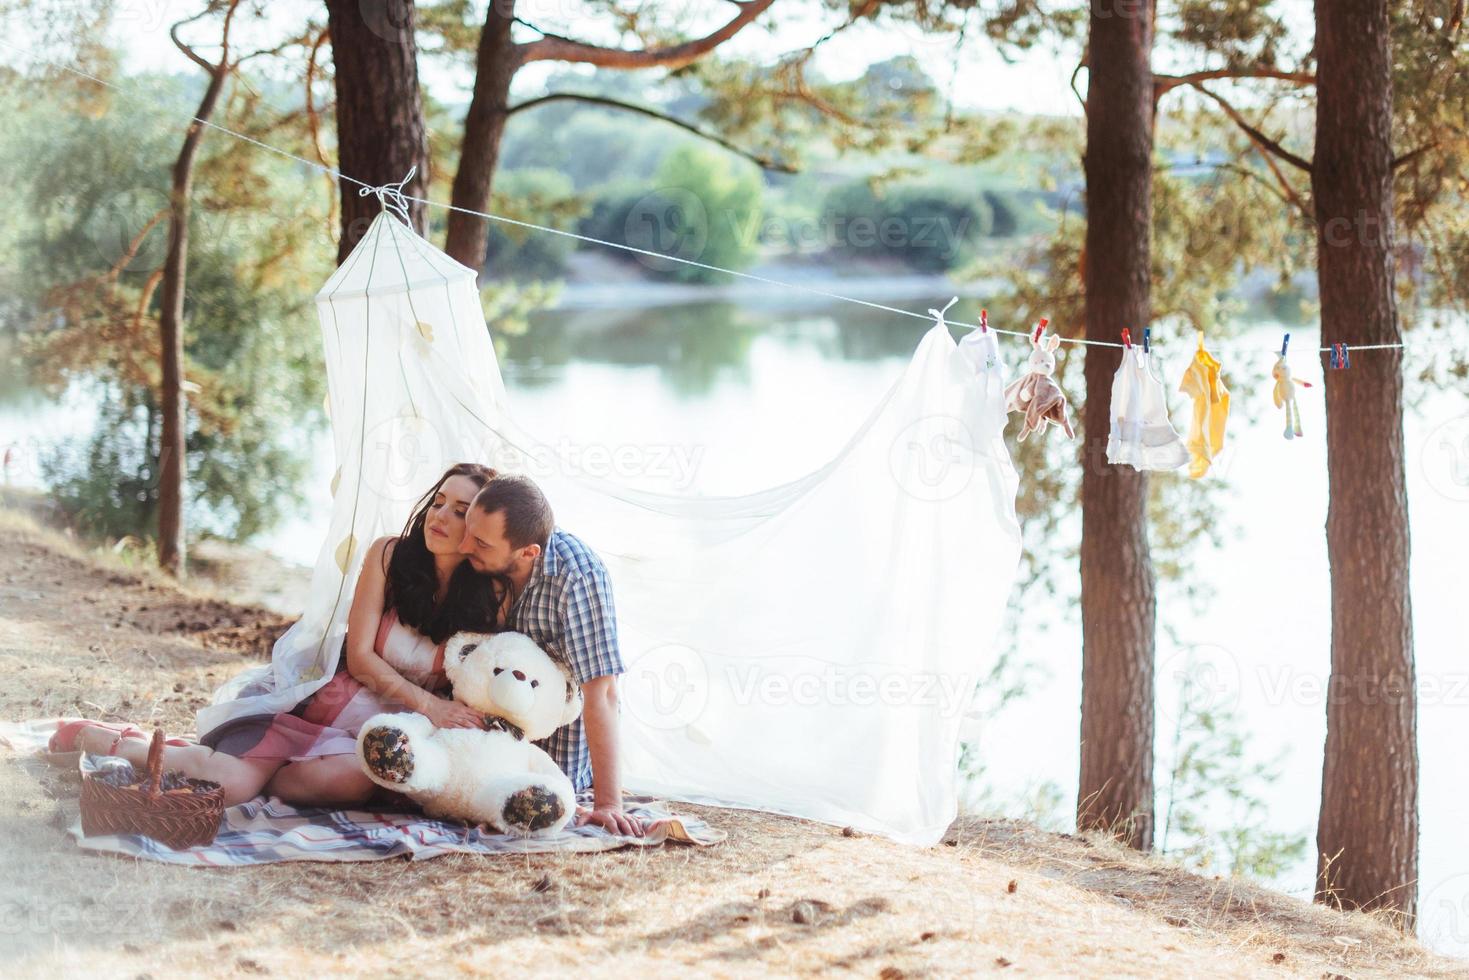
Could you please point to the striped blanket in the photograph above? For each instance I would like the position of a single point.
(264, 831)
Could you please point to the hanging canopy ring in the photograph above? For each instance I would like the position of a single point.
(391, 195)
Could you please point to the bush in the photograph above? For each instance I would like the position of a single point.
(705, 207)
(544, 197)
(927, 227)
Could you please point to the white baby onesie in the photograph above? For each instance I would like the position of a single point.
(1141, 435)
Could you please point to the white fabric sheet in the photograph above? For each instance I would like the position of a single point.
(810, 649)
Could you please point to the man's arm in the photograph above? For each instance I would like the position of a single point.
(599, 720)
(591, 639)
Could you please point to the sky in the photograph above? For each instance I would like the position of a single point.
(969, 71)
(978, 77)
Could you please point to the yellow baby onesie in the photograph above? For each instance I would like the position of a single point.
(1211, 410)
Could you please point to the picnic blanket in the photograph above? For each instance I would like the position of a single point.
(265, 831)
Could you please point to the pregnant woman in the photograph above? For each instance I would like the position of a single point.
(414, 592)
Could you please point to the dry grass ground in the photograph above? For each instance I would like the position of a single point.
(81, 634)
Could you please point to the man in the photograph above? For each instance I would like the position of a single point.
(560, 597)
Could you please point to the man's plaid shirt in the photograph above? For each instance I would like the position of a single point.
(567, 604)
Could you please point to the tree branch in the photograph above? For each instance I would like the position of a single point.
(224, 41)
(764, 162)
(313, 115)
(551, 47)
(1266, 147)
(1254, 175)
(303, 40)
(1411, 155)
(1163, 84)
(146, 297)
(1260, 139)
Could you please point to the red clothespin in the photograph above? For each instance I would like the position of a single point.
(1126, 338)
(1040, 328)
(984, 321)
(1340, 359)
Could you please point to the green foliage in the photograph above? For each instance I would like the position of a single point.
(88, 247)
(1216, 811)
(588, 144)
(926, 226)
(1430, 106)
(705, 206)
(1237, 34)
(508, 306)
(539, 196)
(108, 483)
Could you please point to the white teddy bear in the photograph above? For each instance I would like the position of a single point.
(494, 776)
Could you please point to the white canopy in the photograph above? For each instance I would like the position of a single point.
(810, 649)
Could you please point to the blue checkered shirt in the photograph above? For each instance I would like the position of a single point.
(567, 604)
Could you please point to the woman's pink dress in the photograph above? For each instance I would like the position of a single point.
(327, 722)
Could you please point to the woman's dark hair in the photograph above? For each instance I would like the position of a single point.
(472, 602)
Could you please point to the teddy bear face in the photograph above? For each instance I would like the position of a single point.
(508, 675)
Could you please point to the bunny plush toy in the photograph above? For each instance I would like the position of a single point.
(1035, 394)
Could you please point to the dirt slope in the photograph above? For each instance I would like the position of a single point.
(80, 634)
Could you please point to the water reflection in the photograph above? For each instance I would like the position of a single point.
(696, 345)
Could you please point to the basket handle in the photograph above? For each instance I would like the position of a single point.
(155, 763)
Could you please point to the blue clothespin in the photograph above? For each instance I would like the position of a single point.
(1147, 340)
(1340, 359)
(1284, 344)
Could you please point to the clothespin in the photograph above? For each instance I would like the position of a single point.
(1284, 344)
(984, 321)
(1126, 339)
(1147, 340)
(1040, 328)
(1340, 359)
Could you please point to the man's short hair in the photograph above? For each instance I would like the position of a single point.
(528, 517)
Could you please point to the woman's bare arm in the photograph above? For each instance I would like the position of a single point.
(367, 665)
(363, 620)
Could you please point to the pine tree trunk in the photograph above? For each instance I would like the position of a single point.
(484, 126)
(1116, 786)
(380, 129)
(1367, 837)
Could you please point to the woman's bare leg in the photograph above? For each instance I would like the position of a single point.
(334, 780)
(241, 779)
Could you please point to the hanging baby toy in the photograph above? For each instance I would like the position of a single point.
(1035, 393)
(1141, 435)
(1285, 392)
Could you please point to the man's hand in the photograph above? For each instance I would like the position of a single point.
(610, 818)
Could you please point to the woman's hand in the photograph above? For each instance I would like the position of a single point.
(445, 713)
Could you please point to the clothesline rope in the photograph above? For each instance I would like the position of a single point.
(392, 197)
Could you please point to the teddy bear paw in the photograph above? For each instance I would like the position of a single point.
(533, 808)
(388, 754)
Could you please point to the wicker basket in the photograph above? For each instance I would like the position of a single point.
(179, 818)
